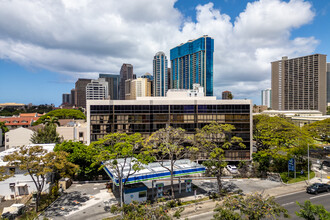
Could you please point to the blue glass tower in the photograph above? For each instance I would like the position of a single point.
(191, 63)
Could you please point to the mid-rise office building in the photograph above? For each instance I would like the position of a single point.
(80, 92)
(151, 80)
(126, 72)
(191, 63)
(97, 90)
(73, 95)
(266, 97)
(299, 83)
(113, 85)
(66, 99)
(160, 74)
(227, 95)
(328, 84)
(140, 87)
(181, 108)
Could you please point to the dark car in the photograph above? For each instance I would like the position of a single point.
(318, 187)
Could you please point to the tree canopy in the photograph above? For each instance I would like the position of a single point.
(46, 135)
(38, 163)
(213, 139)
(276, 131)
(252, 207)
(62, 114)
(309, 211)
(319, 130)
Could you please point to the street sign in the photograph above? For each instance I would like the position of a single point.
(291, 164)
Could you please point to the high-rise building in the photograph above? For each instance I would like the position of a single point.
(169, 75)
(126, 72)
(66, 99)
(160, 74)
(73, 95)
(113, 85)
(80, 94)
(191, 63)
(140, 87)
(328, 84)
(227, 95)
(97, 90)
(266, 97)
(151, 80)
(299, 83)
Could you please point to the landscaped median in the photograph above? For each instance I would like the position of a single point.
(299, 177)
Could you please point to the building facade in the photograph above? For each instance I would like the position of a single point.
(191, 63)
(266, 97)
(328, 84)
(73, 95)
(97, 90)
(147, 115)
(113, 85)
(160, 74)
(126, 72)
(227, 95)
(80, 92)
(299, 83)
(66, 99)
(151, 80)
(140, 87)
(18, 137)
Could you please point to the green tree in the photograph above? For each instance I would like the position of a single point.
(252, 207)
(319, 130)
(81, 155)
(309, 211)
(51, 121)
(38, 163)
(141, 211)
(46, 135)
(213, 139)
(62, 114)
(4, 129)
(166, 146)
(117, 151)
(269, 132)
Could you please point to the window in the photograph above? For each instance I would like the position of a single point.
(142, 194)
(81, 134)
(12, 169)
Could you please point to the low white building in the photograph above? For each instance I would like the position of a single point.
(18, 137)
(75, 130)
(19, 184)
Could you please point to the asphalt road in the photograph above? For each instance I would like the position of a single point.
(289, 201)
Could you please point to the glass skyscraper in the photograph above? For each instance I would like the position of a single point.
(160, 74)
(191, 63)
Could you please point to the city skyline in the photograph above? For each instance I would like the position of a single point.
(44, 62)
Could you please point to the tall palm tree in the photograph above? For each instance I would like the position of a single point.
(51, 121)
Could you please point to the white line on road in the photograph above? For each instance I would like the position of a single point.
(314, 197)
(289, 194)
(289, 203)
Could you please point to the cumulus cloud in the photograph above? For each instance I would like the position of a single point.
(81, 38)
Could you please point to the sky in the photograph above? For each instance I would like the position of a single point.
(46, 45)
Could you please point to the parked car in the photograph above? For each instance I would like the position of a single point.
(318, 187)
(13, 211)
(326, 163)
(232, 169)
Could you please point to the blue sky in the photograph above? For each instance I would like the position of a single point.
(49, 45)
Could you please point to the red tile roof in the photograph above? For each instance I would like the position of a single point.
(19, 121)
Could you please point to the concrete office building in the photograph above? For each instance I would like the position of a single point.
(227, 95)
(66, 98)
(140, 87)
(151, 80)
(191, 63)
(126, 72)
(299, 83)
(97, 90)
(113, 85)
(80, 92)
(179, 109)
(160, 74)
(266, 97)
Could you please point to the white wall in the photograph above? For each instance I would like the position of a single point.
(128, 198)
(18, 137)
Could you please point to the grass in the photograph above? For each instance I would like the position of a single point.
(298, 178)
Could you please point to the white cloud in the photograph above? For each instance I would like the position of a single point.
(80, 38)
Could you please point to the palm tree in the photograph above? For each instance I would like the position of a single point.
(51, 121)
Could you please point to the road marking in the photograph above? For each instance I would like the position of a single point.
(289, 203)
(314, 197)
(289, 194)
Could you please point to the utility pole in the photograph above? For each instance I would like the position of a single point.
(308, 161)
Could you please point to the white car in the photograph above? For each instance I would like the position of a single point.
(232, 169)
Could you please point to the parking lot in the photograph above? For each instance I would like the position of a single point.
(82, 201)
